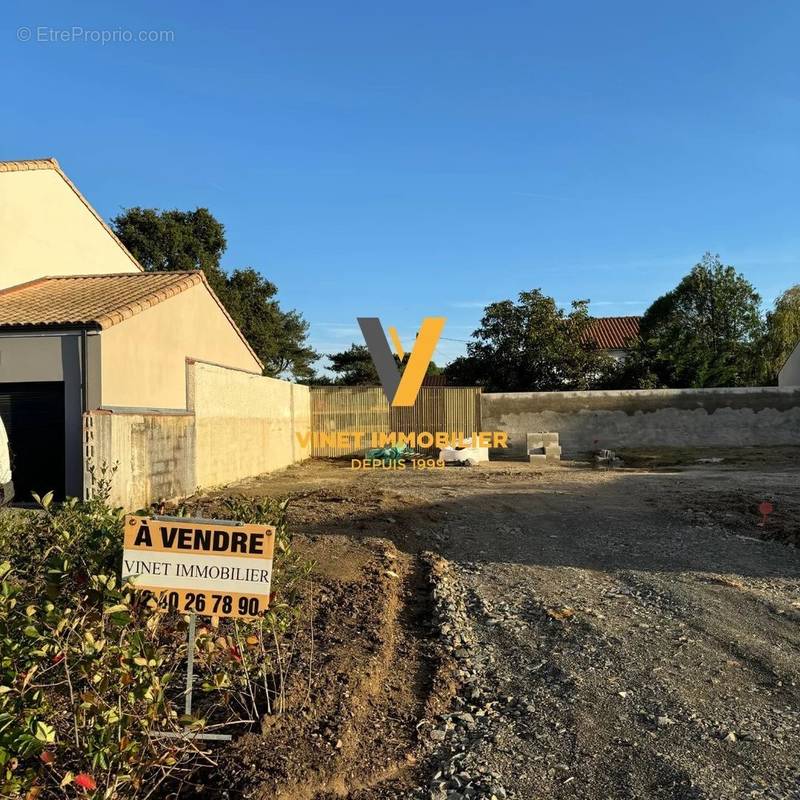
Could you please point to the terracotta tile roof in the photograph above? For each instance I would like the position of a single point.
(89, 300)
(96, 300)
(614, 333)
(51, 163)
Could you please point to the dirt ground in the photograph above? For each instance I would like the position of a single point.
(632, 633)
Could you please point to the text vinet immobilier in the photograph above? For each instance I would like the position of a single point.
(440, 439)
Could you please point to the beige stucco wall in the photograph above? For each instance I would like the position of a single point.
(144, 358)
(245, 424)
(46, 229)
(790, 374)
(239, 426)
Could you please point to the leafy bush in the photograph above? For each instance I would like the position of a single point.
(91, 672)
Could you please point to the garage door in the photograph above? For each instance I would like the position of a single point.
(33, 414)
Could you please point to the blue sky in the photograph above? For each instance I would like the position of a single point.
(417, 159)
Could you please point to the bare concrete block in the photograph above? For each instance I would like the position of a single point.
(553, 452)
(539, 440)
(537, 458)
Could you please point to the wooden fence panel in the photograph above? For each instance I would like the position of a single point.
(346, 408)
(364, 408)
(450, 409)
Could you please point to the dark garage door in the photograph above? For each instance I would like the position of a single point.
(33, 414)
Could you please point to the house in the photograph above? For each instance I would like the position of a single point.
(614, 335)
(83, 327)
(790, 374)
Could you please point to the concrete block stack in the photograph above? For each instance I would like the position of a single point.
(543, 447)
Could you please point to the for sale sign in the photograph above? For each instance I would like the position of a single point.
(200, 566)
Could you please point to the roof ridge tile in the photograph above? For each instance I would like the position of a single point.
(26, 164)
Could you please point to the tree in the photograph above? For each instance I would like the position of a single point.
(634, 372)
(279, 337)
(532, 345)
(169, 241)
(175, 241)
(354, 367)
(706, 331)
(782, 333)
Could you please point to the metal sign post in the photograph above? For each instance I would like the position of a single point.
(187, 708)
(190, 664)
(187, 732)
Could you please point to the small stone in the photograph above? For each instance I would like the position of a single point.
(663, 721)
(731, 737)
(438, 735)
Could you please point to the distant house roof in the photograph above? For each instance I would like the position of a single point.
(614, 333)
(52, 164)
(98, 301)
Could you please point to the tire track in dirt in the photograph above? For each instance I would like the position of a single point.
(353, 706)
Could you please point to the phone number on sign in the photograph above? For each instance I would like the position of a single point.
(212, 604)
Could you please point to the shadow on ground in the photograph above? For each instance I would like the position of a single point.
(627, 520)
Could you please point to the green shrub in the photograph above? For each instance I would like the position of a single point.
(91, 672)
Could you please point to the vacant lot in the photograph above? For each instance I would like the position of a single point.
(627, 633)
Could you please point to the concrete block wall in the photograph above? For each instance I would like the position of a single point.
(154, 455)
(589, 421)
(245, 424)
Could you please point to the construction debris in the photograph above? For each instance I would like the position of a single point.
(466, 456)
(390, 455)
(607, 459)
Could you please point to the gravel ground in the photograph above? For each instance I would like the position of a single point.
(612, 642)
